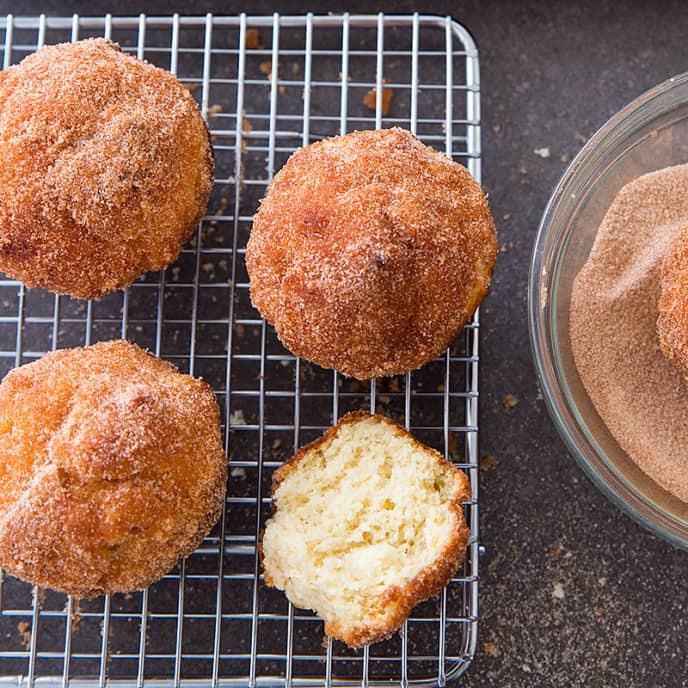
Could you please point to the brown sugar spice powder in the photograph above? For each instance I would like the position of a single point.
(642, 400)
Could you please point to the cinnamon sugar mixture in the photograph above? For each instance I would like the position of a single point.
(638, 394)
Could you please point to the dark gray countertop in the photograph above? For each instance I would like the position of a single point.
(573, 593)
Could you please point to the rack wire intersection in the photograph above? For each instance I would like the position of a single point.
(266, 86)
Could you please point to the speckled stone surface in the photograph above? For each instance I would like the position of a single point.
(573, 593)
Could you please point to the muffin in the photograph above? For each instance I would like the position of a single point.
(370, 252)
(111, 468)
(367, 523)
(105, 168)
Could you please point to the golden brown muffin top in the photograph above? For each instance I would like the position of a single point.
(105, 168)
(370, 252)
(111, 468)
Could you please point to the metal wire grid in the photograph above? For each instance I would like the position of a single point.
(266, 85)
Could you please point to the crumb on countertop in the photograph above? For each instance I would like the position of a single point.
(509, 401)
(488, 462)
(555, 551)
(492, 649)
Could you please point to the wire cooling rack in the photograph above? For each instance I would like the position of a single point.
(266, 86)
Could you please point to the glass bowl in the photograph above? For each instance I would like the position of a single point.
(648, 134)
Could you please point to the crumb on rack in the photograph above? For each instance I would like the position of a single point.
(355, 386)
(266, 68)
(242, 172)
(237, 472)
(237, 418)
(76, 615)
(453, 443)
(393, 384)
(252, 41)
(214, 110)
(24, 628)
(497, 129)
(191, 87)
(223, 206)
(370, 99)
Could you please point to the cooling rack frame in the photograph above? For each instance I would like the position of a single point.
(283, 86)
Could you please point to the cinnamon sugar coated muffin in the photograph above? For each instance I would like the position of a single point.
(111, 468)
(370, 252)
(672, 323)
(105, 168)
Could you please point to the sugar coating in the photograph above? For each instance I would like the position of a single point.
(368, 522)
(111, 468)
(370, 252)
(672, 324)
(641, 398)
(105, 168)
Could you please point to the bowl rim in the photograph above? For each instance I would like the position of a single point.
(628, 500)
